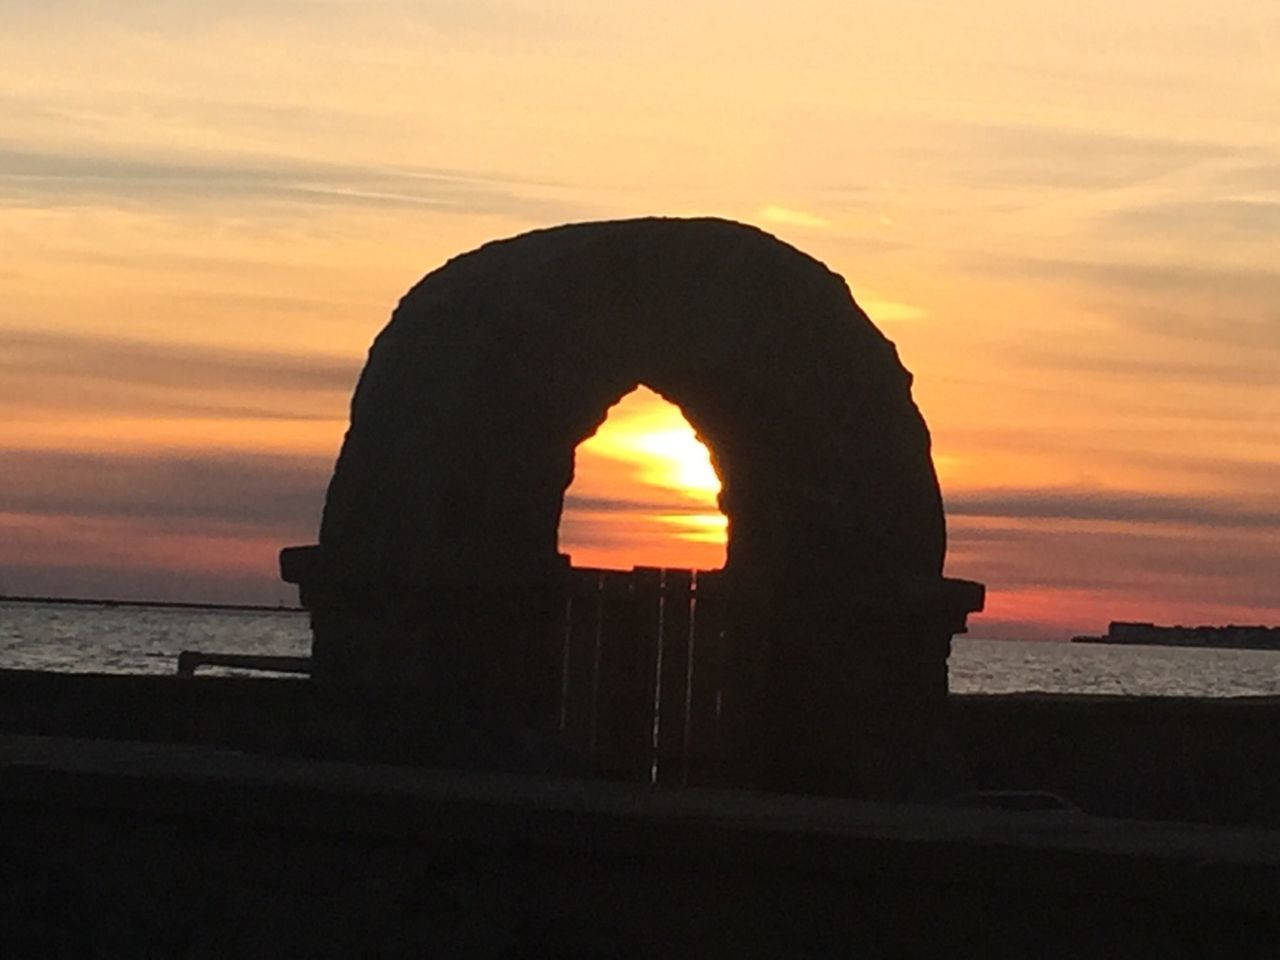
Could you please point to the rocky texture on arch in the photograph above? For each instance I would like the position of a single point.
(494, 367)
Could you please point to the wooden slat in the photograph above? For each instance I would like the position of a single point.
(709, 649)
(641, 703)
(542, 663)
(623, 693)
(673, 676)
(578, 662)
(563, 637)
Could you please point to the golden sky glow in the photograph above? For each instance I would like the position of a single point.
(1065, 216)
(658, 442)
(644, 447)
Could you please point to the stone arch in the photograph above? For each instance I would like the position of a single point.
(497, 365)
(448, 491)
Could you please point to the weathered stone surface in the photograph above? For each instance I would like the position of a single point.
(449, 488)
(497, 365)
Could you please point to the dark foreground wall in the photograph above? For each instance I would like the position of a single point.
(155, 816)
(1193, 759)
(1205, 760)
(133, 850)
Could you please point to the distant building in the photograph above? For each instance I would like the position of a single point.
(1233, 635)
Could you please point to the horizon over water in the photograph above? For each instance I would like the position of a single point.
(105, 638)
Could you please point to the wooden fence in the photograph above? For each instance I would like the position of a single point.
(641, 664)
(632, 667)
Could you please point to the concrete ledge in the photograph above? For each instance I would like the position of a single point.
(423, 805)
(1204, 760)
(217, 853)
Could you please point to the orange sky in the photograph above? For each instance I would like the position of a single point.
(1065, 217)
(644, 492)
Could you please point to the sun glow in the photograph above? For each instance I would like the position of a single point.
(644, 492)
(654, 439)
(698, 527)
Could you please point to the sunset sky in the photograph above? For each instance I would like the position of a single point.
(1066, 216)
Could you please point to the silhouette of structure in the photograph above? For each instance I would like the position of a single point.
(438, 564)
(1231, 636)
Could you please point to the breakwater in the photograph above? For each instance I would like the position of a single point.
(1231, 636)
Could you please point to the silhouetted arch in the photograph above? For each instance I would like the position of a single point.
(497, 365)
(438, 554)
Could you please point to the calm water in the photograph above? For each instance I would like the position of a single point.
(148, 640)
(93, 639)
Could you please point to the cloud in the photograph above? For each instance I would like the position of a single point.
(48, 178)
(172, 364)
(1112, 506)
(1264, 176)
(579, 535)
(1169, 279)
(393, 19)
(1172, 568)
(1202, 220)
(86, 372)
(1234, 306)
(620, 505)
(1058, 157)
(1226, 473)
(1245, 370)
(199, 494)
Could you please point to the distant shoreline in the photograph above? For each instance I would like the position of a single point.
(165, 604)
(1229, 637)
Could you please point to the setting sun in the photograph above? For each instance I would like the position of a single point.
(652, 435)
(644, 492)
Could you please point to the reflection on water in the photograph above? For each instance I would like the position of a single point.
(1003, 666)
(110, 639)
(148, 640)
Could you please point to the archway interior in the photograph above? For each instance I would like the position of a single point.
(644, 492)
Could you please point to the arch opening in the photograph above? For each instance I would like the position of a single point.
(644, 492)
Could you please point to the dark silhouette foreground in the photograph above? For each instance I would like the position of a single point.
(438, 562)
(359, 814)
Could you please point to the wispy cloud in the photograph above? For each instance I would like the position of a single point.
(179, 18)
(1065, 158)
(198, 494)
(86, 372)
(1165, 567)
(1166, 278)
(1248, 370)
(622, 505)
(48, 178)
(171, 364)
(1204, 221)
(1228, 305)
(1263, 176)
(1113, 506)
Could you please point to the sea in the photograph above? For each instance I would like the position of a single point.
(106, 638)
